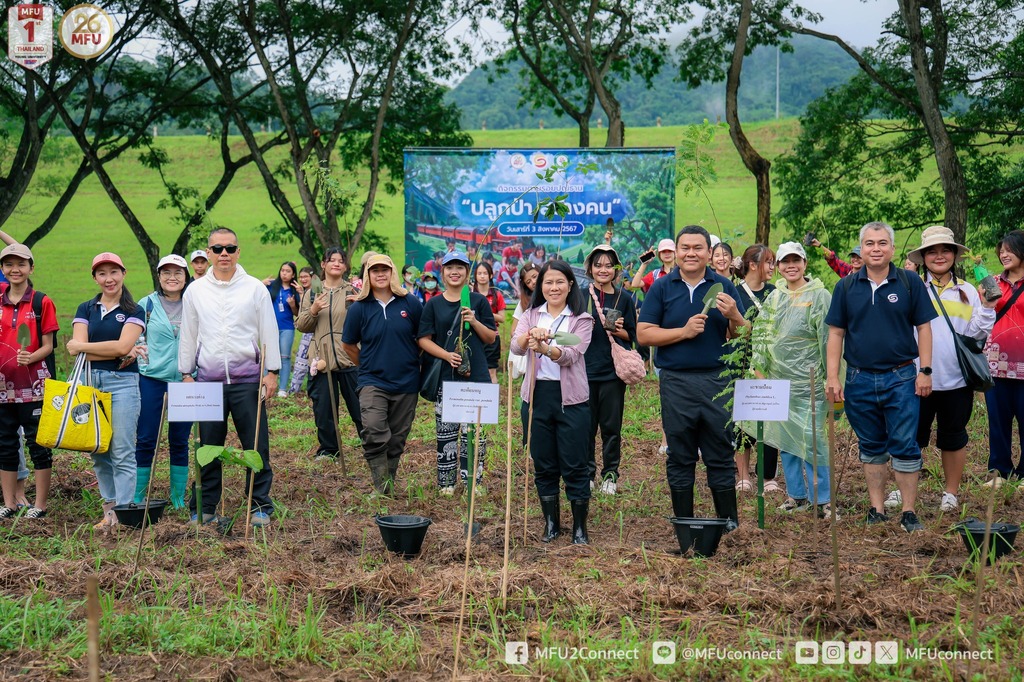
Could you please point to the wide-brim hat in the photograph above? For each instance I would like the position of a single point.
(935, 236)
(596, 251)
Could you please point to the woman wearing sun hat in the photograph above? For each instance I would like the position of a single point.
(951, 401)
(158, 366)
(106, 328)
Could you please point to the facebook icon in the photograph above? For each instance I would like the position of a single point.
(517, 653)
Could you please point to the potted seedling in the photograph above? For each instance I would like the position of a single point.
(229, 455)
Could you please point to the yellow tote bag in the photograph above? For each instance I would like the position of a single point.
(75, 416)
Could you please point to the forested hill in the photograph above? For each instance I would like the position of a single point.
(805, 74)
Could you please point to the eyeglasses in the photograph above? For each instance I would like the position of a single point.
(171, 274)
(221, 248)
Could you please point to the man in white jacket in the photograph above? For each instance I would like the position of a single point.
(227, 317)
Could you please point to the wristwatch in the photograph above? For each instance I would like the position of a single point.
(927, 371)
(277, 371)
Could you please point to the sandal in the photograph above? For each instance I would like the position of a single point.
(744, 486)
(108, 523)
(35, 513)
(770, 486)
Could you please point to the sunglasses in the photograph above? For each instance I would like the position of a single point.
(220, 248)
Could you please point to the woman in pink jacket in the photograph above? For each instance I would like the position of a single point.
(561, 412)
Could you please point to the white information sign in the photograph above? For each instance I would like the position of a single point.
(195, 402)
(761, 400)
(30, 35)
(460, 401)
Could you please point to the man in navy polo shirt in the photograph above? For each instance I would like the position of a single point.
(871, 325)
(690, 348)
(384, 321)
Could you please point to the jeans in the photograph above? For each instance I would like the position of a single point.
(794, 467)
(287, 338)
(115, 469)
(883, 411)
(151, 392)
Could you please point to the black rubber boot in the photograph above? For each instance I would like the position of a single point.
(579, 521)
(552, 521)
(725, 507)
(382, 482)
(682, 502)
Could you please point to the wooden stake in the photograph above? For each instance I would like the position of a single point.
(200, 516)
(760, 475)
(260, 396)
(529, 439)
(508, 488)
(832, 502)
(814, 455)
(149, 488)
(469, 546)
(982, 561)
(92, 614)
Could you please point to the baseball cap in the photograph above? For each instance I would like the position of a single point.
(107, 257)
(173, 259)
(789, 249)
(455, 257)
(855, 251)
(19, 250)
(198, 253)
(666, 245)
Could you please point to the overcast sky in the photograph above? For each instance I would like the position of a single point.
(856, 22)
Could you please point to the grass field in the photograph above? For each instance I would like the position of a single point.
(317, 596)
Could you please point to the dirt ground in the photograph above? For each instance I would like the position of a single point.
(771, 586)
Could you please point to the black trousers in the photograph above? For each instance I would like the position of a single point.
(25, 415)
(326, 418)
(240, 404)
(558, 442)
(694, 420)
(607, 401)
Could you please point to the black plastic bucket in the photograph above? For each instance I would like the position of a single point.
(403, 534)
(1000, 540)
(703, 535)
(133, 515)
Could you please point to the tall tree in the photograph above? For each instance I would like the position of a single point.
(350, 83)
(604, 41)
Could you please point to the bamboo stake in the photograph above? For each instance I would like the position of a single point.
(260, 396)
(529, 439)
(982, 561)
(92, 611)
(814, 455)
(149, 488)
(760, 475)
(508, 488)
(469, 546)
(198, 483)
(832, 499)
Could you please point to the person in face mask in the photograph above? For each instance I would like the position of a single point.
(409, 281)
(428, 287)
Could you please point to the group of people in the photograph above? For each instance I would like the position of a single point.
(882, 341)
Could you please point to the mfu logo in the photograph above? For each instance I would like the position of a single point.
(86, 31)
(893, 298)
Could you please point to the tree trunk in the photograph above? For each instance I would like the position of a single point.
(616, 127)
(758, 165)
(928, 80)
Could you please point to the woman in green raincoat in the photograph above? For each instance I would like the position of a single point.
(791, 340)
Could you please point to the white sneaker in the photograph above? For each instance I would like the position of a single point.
(609, 487)
(949, 503)
(282, 394)
(826, 512)
(446, 490)
(663, 450)
(894, 501)
(592, 486)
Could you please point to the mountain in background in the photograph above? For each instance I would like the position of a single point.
(814, 66)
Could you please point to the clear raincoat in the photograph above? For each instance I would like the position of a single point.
(789, 338)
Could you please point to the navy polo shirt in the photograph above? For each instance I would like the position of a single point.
(879, 324)
(669, 305)
(108, 328)
(389, 357)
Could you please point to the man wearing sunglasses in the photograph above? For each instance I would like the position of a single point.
(227, 318)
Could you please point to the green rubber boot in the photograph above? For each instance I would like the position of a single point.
(179, 481)
(142, 483)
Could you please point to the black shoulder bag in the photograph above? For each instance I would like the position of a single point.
(973, 363)
(430, 374)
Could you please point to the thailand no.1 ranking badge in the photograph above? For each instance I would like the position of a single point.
(30, 35)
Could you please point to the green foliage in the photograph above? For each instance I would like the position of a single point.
(229, 455)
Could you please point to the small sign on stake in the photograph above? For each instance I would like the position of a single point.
(460, 400)
(761, 400)
(195, 402)
(30, 35)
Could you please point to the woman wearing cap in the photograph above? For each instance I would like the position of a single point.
(23, 371)
(1005, 350)
(322, 317)
(285, 295)
(106, 328)
(557, 437)
(667, 256)
(951, 402)
(158, 366)
(789, 340)
(438, 335)
(483, 284)
(756, 269)
(428, 288)
(409, 275)
(607, 390)
(381, 328)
